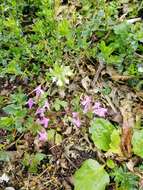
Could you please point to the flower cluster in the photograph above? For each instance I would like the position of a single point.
(87, 103)
(40, 112)
(75, 119)
(96, 108)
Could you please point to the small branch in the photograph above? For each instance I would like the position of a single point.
(133, 20)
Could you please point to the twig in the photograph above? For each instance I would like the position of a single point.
(133, 20)
(100, 68)
(138, 55)
(70, 161)
(10, 145)
(110, 103)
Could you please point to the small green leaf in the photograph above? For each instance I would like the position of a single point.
(137, 142)
(91, 176)
(63, 28)
(6, 123)
(32, 161)
(110, 163)
(101, 131)
(4, 156)
(58, 139)
(54, 137)
(58, 104)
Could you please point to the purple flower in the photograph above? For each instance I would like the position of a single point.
(40, 111)
(75, 119)
(86, 102)
(97, 105)
(42, 136)
(44, 121)
(47, 105)
(98, 110)
(38, 91)
(30, 103)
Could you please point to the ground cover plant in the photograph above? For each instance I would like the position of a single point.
(71, 95)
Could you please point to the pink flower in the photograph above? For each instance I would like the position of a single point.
(38, 91)
(76, 120)
(98, 110)
(44, 121)
(47, 105)
(42, 135)
(40, 111)
(97, 105)
(86, 102)
(30, 103)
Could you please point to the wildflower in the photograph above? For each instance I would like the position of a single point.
(44, 121)
(98, 110)
(86, 102)
(42, 135)
(40, 111)
(30, 103)
(46, 105)
(4, 178)
(38, 91)
(76, 120)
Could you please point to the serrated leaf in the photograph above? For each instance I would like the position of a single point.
(58, 104)
(101, 131)
(91, 176)
(137, 142)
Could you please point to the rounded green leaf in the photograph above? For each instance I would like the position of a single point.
(91, 176)
(101, 131)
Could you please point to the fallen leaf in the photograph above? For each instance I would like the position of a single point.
(128, 124)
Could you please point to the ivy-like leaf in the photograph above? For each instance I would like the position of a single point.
(91, 176)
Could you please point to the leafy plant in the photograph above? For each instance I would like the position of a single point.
(104, 135)
(124, 180)
(91, 176)
(32, 161)
(58, 104)
(60, 74)
(16, 113)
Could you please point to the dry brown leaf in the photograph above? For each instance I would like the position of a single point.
(86, 83)
(115, 75)
(128, 123)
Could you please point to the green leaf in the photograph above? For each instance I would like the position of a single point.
(60, 74)
(91, 176)
(110, 163)
(54, 137)
(6, 123)
(137, 142)
(63, 27)
(115, 142)
(106, 50)
(122, 29)
(101, 131)
(58, 104)
(4, 156)
(32, 161)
